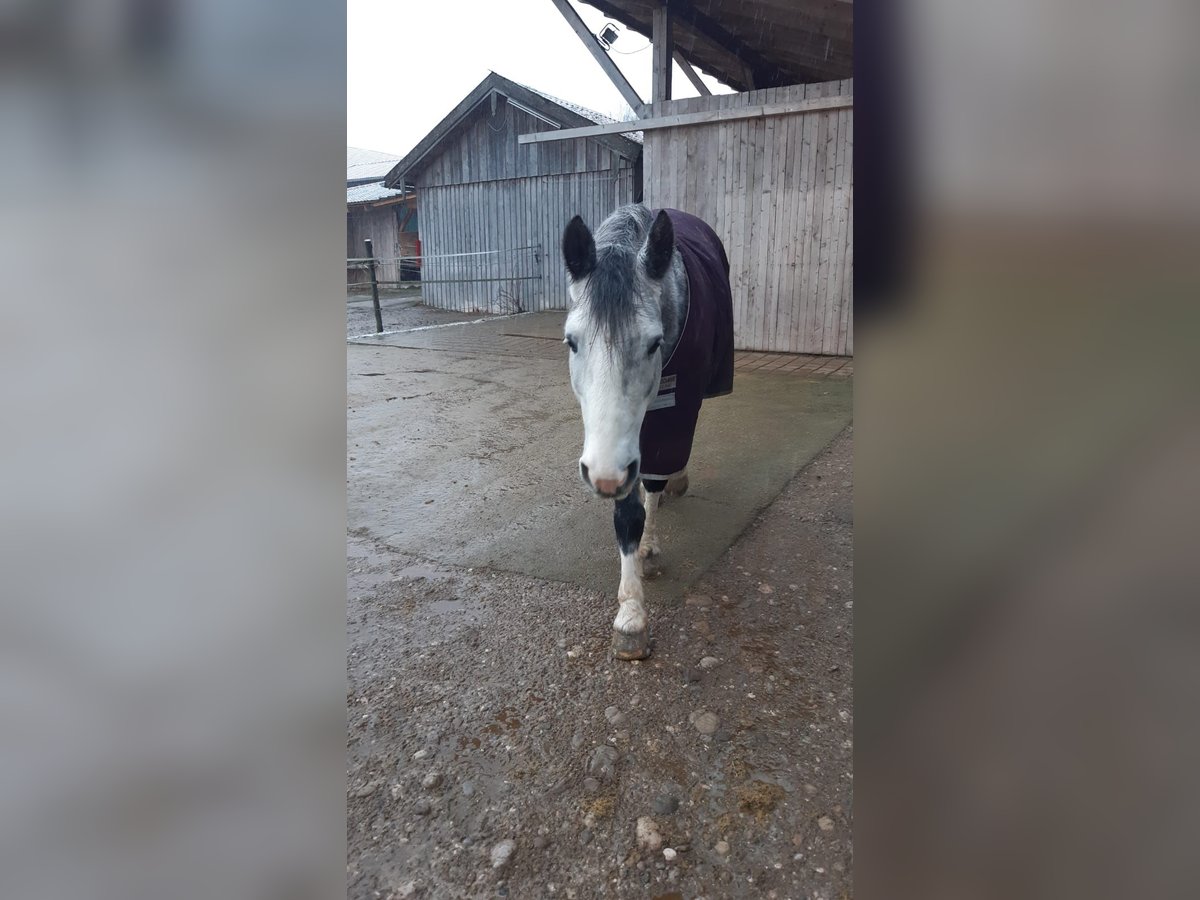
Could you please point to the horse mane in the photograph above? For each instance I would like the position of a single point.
(611, 285)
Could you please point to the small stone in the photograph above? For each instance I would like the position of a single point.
(765, 589)
(562, 643)
(724, 735)
(647, 833)
(468, 788)
(709, 662)
(541, 842)
(701, 600)
(603, 761)
(576, 740)
(421, 754)
(668, 854)
(797, 840)
(614, 716)
(825, 823)
(397, 791)
(585, 837)
(591, 785)
(810, 790)
(665, 805)
(422, 807)
(407, 889)
(502, 853)
(431, 781)
(368, 789)
(575, 652)
(690, 676)
(704, 721)
(722, 847)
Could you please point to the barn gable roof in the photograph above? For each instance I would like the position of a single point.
(562, 113)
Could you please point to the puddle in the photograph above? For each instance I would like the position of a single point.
(447, 606)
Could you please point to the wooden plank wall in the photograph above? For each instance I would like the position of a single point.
(481, 190)
(507, 214)
(381, 227)
(779, 192)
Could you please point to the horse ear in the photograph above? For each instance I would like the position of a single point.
(579, 249)
(660, 246)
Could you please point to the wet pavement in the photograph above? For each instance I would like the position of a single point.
(494, 748)
(399, 309)
(465, 451)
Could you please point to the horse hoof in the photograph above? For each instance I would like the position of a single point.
(631, 646)
(677, 487)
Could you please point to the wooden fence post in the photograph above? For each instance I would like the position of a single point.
(374, 287)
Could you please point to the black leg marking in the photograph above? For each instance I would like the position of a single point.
(654, 486)
(629, 521)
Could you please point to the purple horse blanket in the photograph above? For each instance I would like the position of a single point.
(701, 365)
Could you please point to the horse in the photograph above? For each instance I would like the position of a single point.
(650, 335)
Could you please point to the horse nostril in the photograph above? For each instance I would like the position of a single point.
(583, 470)
(632, 469)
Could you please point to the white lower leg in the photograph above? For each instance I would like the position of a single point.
(649, 545)
(631, 617)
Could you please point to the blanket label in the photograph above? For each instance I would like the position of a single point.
(662, 401)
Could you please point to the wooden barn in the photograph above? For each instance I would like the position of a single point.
(493, 210)
(770, 166)
(387, 216)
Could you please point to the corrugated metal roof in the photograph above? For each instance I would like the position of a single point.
(361, 163)
(368, 193)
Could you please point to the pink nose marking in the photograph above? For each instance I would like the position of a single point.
(606, 486)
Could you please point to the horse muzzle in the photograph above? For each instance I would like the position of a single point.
(611, 488)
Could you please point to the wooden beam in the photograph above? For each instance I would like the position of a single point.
(816, 104)
(605, 61)
(692, 75)
(664, 50)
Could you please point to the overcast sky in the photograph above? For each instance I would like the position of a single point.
(408, 64)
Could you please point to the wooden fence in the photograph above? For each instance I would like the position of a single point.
(778, 189)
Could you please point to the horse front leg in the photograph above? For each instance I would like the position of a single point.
(631, 636)
(652, 492)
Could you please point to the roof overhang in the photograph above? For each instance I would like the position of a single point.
(761, 44)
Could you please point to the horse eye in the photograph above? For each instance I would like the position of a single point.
(570, 342)
(654, 345)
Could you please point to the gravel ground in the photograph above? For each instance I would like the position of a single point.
(494, 749)
(400, 310)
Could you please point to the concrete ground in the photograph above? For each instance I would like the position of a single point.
(399, 308)
(483, 707)
(471, 459)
